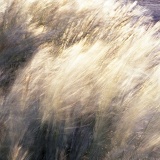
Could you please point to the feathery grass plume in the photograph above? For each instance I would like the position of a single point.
(79, 80)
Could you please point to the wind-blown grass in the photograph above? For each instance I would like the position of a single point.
(79, 81)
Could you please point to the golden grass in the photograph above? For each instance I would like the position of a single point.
(97, 67)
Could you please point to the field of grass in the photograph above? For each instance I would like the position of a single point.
(79, 80)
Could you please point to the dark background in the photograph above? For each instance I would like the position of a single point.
(153, 5)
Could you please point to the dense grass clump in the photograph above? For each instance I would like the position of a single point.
(79, 80)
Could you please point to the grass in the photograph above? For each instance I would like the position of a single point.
(79, 81)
